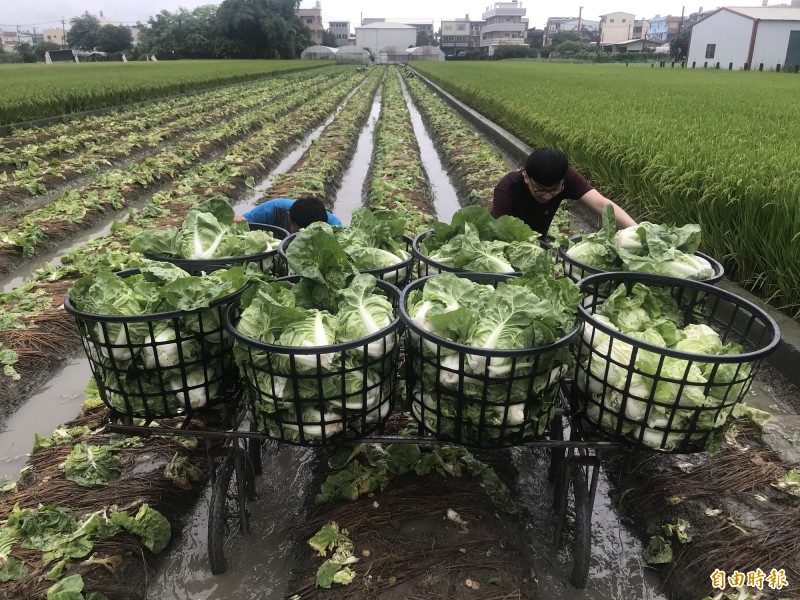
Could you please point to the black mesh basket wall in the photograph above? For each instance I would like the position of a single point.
(159, 365)
(322, 395)
(476, 397)
(266, 260)
(427, 266)
(577, 270)
(399, 274)
(660, 398)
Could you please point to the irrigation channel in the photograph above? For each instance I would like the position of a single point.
(351, 128)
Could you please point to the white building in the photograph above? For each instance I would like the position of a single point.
(340, 31)
(616, 27)
(747, 37)
(504, 23)
(377, 36)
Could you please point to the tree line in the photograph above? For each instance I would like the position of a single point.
(232, 29)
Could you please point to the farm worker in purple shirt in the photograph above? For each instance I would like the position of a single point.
(292, 215)
(535, 193)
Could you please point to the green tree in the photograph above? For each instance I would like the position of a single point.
(114, 38)
(512, 51)
(679, 45)
(424, 39)
(262, 28)
(182, 34)
(563, 36)
(328, 38)
(26, 51)
(569, 48)
(84, 32)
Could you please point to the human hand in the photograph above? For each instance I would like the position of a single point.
(239, 219)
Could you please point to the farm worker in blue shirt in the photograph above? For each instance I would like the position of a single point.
(292, 215)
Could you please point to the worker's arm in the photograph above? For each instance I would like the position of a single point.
(597, 202)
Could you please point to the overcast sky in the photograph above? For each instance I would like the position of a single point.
(39, 12)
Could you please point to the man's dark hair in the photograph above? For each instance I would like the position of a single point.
(547, 166)
(307, 210)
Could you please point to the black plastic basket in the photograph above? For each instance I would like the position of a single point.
(577, 270)
(660, 398)
(510, 403)
(197, 267)
(140, 375)
(349, 386)
(399, 274)
(427, 266)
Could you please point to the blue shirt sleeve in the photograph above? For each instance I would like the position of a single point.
(265, 213)
(334, 220)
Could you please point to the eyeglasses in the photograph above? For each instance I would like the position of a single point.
(537, 190)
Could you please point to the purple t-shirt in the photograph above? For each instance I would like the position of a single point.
(512, 197)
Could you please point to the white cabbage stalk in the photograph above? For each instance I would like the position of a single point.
(700, 331)
(628, 239)
(687, 266)
(653, 438)
(309, 361)
(310, 417)
(420, 319)
(594, 337)
(199, 253)
(381, 413)
(167, 355)
(120, 354)
(515, 416)
(202, 392)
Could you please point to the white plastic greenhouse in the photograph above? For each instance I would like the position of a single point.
(319, 53)
(425, 53)
(352, 55)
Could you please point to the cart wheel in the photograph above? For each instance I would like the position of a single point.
(582, 550)
(227, 512)
(578, 490)
(556, 454)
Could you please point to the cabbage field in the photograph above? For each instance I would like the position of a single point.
(88, 197)
(672, 145)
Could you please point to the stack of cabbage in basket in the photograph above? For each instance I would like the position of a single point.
(373, 242)
(474, 241)
(157, 367)
(501, 400)
(660, 401)
(645, 248)
(300, 397)
(208, 232)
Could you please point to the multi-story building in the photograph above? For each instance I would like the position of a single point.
(422, 25)
(664, 28)
(54, 35)
(641, 28)
(312, 18)
(460, 35)
(504, 24)
(616, 27)
(340, 31)
(589, 30)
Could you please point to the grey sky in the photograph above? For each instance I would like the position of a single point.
(41, 12)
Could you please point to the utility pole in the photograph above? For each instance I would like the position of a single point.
(63, 34)
(580, 12)
(680, 25)
(18, 34)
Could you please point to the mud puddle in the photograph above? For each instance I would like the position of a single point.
(259, 562)
(445, 200)
(351, 191)
(617, 568)
(56, 402)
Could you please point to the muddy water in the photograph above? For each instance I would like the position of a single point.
(617, 569)
(259, 563)
(51, 405)
(351, 191)
(445, 200)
